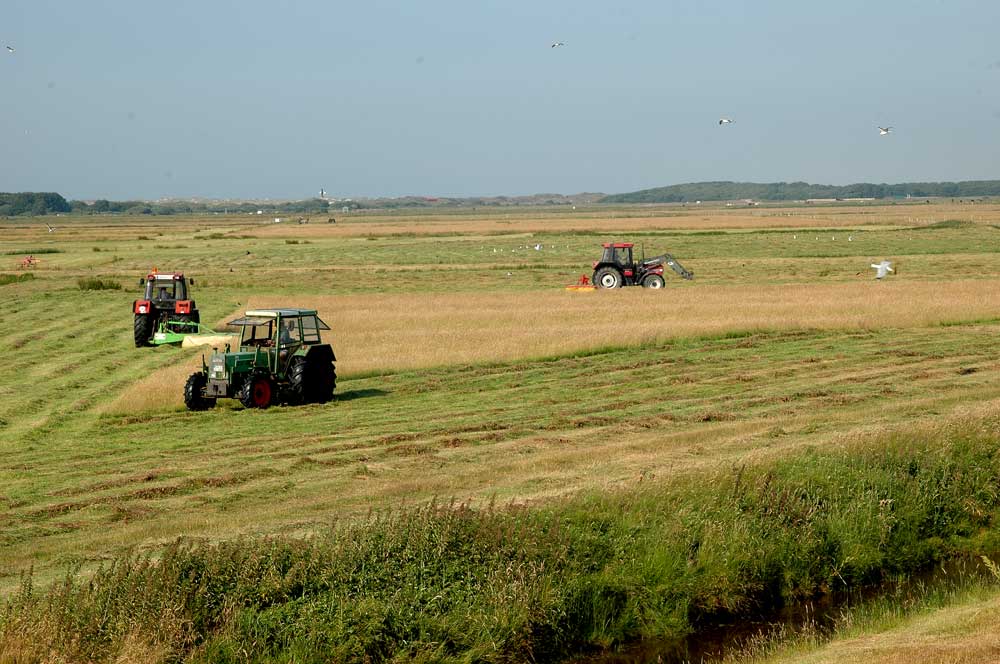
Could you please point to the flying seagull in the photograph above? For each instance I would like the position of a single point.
(724, 121)
(556, 44)
(884, 131)
(10, 48)
(51, 228)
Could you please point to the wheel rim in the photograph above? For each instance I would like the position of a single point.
(608, 280)
(261, 393)
(655, 283)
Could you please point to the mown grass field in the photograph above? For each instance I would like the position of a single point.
(465, 370)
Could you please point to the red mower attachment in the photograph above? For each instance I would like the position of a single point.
(583, 285)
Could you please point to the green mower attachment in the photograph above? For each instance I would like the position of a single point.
(175, 332)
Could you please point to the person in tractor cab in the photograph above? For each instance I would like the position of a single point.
(287, 335)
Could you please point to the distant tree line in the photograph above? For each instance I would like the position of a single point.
(792, 191)
(32, 204)
(38, 204)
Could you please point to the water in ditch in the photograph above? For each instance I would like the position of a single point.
(714, 640)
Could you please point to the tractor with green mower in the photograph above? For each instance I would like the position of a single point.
(165, 313)
(281, 359)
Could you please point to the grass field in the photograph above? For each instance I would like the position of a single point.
(466, 371)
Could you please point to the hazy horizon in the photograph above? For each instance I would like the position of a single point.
(248, 100)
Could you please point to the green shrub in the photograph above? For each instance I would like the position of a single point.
(93, 283)
(33, 252)
(15, 278)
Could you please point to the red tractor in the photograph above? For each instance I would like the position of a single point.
(616, 268)
(165, 303)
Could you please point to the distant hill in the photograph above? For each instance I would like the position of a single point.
(797, 191)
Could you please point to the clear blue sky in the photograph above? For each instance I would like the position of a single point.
(136, 99)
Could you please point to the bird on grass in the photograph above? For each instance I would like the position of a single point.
(884, 131)
(725, 121)
(883, 269)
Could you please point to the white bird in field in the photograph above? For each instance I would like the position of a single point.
(725, 121)
(557, 44)
(10, 48)
(884, 131)
(538, 247)
(883, 269)
(51, 228)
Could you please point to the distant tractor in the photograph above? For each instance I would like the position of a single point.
(165, 304)
(616, 268)
(281, 359)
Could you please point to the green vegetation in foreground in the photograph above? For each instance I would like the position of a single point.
(449, 583)
(961, 603)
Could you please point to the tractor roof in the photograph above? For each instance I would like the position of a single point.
(265, 316)
(619, 245)
(173, 276)
(283, 313)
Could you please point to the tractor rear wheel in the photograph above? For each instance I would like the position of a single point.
(312, 379)
(194, 393)
(653, 281)
(141, 325)
(608, 277)
(257, 392)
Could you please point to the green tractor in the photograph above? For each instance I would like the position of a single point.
(281, 359)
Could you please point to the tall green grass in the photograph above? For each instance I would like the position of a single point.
(95, 283)
(449, 583)
(6, 279)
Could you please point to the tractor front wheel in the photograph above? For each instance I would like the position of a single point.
(653, 281)
(608, 277)
(257, 392)
(142, 328)
(194, 393)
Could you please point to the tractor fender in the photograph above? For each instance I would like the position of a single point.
(320, 353)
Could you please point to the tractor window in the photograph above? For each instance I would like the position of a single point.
(623, 256)
(257, 335)
(161, 289)
(290, 333)
(310, 330)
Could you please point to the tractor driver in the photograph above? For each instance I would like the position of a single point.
(287, 335)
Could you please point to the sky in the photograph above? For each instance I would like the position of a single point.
(129, 99)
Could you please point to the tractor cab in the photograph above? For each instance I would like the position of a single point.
(165, 288)
(278, 328)
(618, 253)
